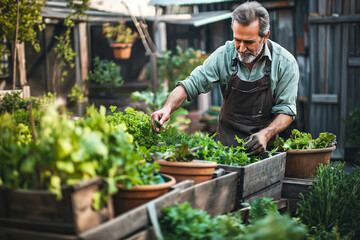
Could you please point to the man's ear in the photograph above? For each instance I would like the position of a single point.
(266, 37)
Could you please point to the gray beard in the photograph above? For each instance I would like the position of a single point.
(251, 57)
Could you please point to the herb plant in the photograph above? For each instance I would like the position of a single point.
(138, 124)
(183, 222)
(260, 208)
(353, 123)
(119, 33)
(301, 140)
(333, 202)
(105, 71)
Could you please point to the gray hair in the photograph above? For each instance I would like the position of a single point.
(248, 12)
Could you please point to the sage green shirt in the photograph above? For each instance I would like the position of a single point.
(284, 75)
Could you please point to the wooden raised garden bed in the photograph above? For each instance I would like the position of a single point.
(259, 179)
(38, 210)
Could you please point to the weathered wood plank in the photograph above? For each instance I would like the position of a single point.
(147, 234)
(258, 175)
(216, 196)
(273, 191)
(20, 234)
(131, 221)
(292, 187)
(325, 98)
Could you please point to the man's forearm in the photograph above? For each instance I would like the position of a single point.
(280, 123)
(176, 98)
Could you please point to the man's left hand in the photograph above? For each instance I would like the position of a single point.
(255, 144)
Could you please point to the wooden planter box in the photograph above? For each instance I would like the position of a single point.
(258, 179)
(39, 210)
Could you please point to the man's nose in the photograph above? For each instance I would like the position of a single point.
(242, 47)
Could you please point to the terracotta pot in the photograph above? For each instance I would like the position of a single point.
(126, 199)
(302, 163)
(197, 170)
(121, 50)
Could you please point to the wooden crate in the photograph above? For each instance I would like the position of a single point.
(216, 196)
(257, 176)
(292, 187)
(40, 211)
(21, 234)
(272, 191)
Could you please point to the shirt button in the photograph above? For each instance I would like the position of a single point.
(259, 111)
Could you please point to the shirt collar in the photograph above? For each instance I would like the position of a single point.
(267, 51)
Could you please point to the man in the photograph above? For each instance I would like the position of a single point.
(258, 80)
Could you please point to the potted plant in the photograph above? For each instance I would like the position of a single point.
(180, 162)
(304, 154)
(105, 72)
(121, 39)
(150, 185)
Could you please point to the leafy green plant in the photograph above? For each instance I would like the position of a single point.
(183, 222)
(177, 153)
(333, 201)
(105, 71)
(30, 20)
(76, 94)
(176, 67)
(260, 208)
(301, 140)
(119, 33)
(138, 124)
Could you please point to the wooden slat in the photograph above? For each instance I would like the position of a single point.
(353, 61)
(147, 234)
(325, 98)
(334, 19)
(273, 191)
(216, 196)
(20, 234)
(131, 221)
(292, 187)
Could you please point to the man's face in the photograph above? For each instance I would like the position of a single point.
(248, 43)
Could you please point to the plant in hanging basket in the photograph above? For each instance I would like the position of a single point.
(121, 39)
(304, 154)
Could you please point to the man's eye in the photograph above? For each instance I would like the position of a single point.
(248, 42)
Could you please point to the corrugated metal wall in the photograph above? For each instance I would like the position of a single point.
(334, 66)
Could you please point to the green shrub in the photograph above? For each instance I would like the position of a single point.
(105, 71)
(333, 201)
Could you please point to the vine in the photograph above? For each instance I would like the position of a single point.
(63, 49)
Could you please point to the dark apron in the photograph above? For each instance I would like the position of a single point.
(246, 107)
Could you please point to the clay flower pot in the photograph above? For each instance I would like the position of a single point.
(302, 163)
(197, 170)
(121, 50)
(126, 199)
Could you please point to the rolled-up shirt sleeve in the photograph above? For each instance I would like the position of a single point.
(285, 93)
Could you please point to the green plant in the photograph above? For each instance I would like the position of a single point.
(260, 208)
(119, 33)
(301, 140)
(183, 222)
(176, 67)
(333, 201)
(30, 20)
(76, 94)
(106, 71)
(177, 153)
(138, 124)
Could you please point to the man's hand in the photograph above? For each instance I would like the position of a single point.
(162, 116)
(255, 144)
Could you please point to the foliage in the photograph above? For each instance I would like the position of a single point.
(138, 124)
(333, 201)
(210, 149)
(119, 33)
(260, 208)
(183, 222)
(105, 71)
(353, 123)
(64, 51)
(301, 140)
(178, 67)
(30, 20)
(177, 153)
(76, 94)
(15, 140)
(67, 152)
(149, 173)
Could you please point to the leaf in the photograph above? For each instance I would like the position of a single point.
(65, 166)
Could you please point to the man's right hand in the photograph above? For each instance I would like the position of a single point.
(162, 116)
